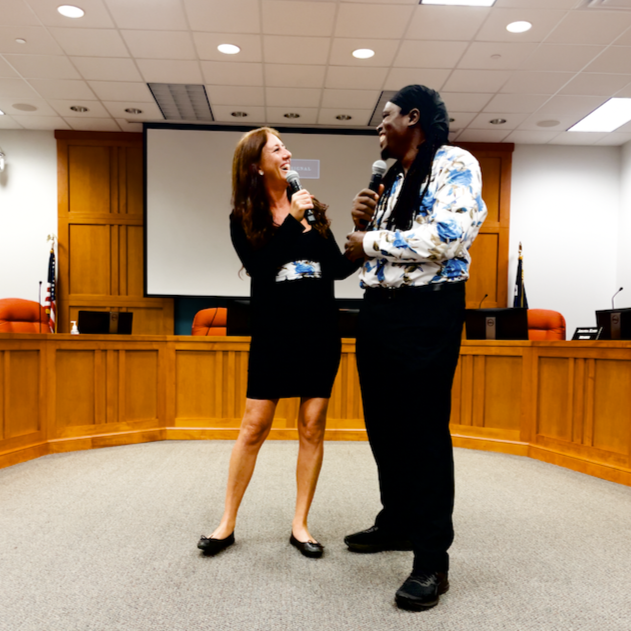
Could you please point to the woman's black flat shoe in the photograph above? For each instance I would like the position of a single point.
(210, 546)
(309, 549)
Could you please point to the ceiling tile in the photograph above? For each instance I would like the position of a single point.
(616, 59)
(400, 77)
(576, 106)
(535, 4)
(413, 2)
(17, 13)
(129, 126)
(626, 128)
(288, 76)
(95, 109)
(165, 15)
(160, 44)
(96, 14)
(543, 21)
(350, 99)
(460, 120)
(121, 91)
(43, 67)
(6, 70)
(170, 71)
(42, 122)
(250, 45)
(596, 84)
(340, 77)
(516, 103)
(433, 54)
(276, 115)
(82, 42)
(235, 95)
(625, 92)
(293, 97)
(16, 88)
(446, 23)
(107, 69)
(590, 27)
(41, 108)
(624, 39)
(496, 56)
(38, 41)
(342, 49)
(536, 82)
(614, 139)
(8, 122)
(62, 89)
(465, 102)
(279, 49)
(563, 122)
(149, 111)
(92, 124)
(476, 80)
(304, 18)
(255, 115)
(372, 21)
(566, 57)
(577, 138)
(483, 121)
(219, 16)
(359, 118)
(520, 137)
(226, 73)
(483, 135)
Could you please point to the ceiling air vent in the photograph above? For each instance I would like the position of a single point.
(616, 5)
(182, 102)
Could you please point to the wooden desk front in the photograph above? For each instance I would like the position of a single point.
(568, 403)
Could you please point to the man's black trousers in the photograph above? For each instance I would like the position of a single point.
(408, 343)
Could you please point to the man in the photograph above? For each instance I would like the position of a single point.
(415, 236)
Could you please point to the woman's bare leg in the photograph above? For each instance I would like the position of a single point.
(255, 426)
(311, 425)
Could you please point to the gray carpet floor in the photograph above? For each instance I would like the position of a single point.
(105, 540)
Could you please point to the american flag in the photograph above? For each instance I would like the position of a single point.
(51, 293)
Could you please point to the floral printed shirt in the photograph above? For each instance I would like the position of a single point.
(436, 248)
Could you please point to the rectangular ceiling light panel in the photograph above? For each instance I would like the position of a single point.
(617, 5)
(461, 3)
(608, 117)
(182, 102)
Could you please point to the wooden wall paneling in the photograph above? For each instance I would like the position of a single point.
(76, 386)
(141, 385)
(503, 393)
(553, 414)
(4, 389)
(578, 402)
(588, 424)
(478, 391)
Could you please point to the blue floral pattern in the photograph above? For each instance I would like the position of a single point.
(436, 248)
(297, 270)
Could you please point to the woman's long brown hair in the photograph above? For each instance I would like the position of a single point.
(249, 199)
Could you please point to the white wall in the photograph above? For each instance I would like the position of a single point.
(28, 211)
(624, 236)
(565, 210)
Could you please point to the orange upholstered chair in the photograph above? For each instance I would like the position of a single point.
(211, 322)
(22, 316)
(545, 325)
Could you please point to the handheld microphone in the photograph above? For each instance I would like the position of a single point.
(293, 179)
(619, 290)
(379, 169)
(483, 299)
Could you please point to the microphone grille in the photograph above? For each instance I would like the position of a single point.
(292, 176)
(379, 167)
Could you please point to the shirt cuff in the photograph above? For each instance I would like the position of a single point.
(370, 240)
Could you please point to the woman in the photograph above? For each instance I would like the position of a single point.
(295, 349)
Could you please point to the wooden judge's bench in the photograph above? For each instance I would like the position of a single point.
(568, 403)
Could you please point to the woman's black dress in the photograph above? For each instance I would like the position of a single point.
(295, 349)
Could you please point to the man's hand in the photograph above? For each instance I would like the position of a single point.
(354, 248)
(364, 206)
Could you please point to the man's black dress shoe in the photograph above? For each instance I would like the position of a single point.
(310, 549)
(210, 546)
(421, 590)
(375, 539)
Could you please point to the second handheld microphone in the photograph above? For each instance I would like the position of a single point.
(378, 171)
(293, 180)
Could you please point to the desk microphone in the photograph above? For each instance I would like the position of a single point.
(619, 290)
(293, 179)
(483, 299)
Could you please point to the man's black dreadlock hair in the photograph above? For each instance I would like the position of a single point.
(435, 125)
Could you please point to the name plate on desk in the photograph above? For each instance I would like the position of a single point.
(587, 333)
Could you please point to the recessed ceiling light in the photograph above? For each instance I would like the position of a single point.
(228, 49)
(519, 27)
(609, 116)
(67, 10)
(24, 107)
(496, 56)
(20, 40)
(548, 123)
(291, 115)
(497, 121)
(461, 3)
(78, 108)
(133, 110)
(363, 53)
(343, 117)
(452, 120)
(239, 114)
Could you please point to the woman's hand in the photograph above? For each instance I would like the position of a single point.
(300, 202)
(354, 247)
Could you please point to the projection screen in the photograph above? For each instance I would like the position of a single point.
(187, 203)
